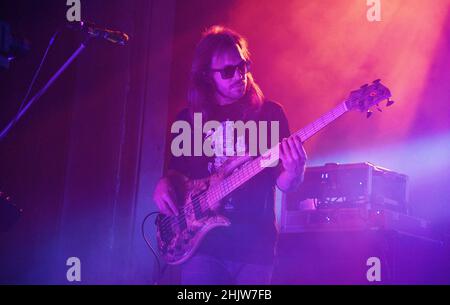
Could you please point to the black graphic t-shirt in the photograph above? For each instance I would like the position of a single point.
(252, 235)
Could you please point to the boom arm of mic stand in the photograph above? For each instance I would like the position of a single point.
(44, 89)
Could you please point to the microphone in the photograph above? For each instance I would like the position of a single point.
(95, 31)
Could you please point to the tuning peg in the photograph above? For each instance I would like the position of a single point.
(376, 81)
(389, 103)
(368, 114)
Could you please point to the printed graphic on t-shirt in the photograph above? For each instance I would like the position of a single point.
(226, 146)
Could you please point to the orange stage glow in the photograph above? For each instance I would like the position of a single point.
(309, 54)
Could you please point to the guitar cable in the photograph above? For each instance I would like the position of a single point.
(160, 271)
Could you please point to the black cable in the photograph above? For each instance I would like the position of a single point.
(36, 74)
(159, 271)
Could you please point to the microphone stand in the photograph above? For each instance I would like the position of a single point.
(45, 88)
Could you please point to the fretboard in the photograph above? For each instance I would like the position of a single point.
(247, 171)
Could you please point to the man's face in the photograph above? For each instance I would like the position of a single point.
(231, 89)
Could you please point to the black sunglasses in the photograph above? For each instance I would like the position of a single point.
(228, 71)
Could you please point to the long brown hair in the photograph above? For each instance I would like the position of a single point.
(201, 88)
